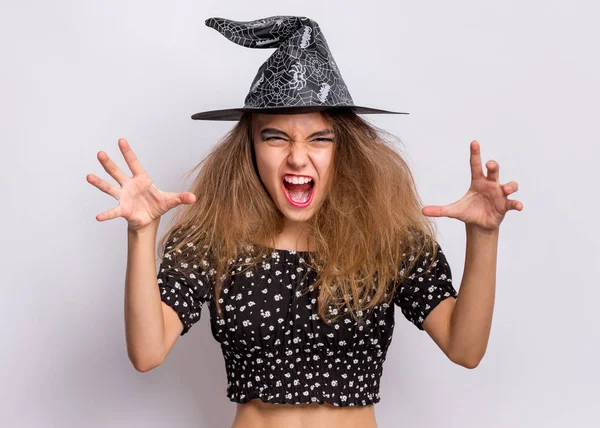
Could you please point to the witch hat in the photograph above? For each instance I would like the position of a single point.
(300, 76)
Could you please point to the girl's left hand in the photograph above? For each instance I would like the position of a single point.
(486, 202)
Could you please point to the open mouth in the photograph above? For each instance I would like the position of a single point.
(299, 193)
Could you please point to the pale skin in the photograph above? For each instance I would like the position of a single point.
(298, 144)
(461, 327)
(151, 326)
(295, 144)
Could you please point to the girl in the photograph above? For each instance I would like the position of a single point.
(302, 232)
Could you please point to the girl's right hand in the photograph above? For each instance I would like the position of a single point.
(140, 201)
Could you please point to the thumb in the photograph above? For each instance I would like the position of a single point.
(174, 199)
(187, 198)
(436, 211)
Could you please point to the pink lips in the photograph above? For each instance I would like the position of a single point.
(298, 204)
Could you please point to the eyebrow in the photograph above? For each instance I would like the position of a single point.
(271, 131)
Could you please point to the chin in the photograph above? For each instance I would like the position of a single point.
(296, 217)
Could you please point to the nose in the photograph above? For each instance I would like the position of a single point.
(298, 157)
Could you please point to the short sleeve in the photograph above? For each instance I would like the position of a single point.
(184, 292)
(424, 289)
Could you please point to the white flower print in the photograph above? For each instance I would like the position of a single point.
(290, 353)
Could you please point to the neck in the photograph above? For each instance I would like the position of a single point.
(295, 236)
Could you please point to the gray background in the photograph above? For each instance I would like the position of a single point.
(521, 77)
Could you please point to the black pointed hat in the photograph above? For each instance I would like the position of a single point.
(300, 76)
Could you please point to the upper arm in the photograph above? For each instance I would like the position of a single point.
(437, 324)
(173, 327)
(183, 291)
(425, 300)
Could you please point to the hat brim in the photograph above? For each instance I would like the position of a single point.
(236, 113)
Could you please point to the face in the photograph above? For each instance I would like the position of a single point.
(294, 153)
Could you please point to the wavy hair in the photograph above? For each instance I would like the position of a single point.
(371, 188)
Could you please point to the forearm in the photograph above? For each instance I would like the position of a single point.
(144, 321)
(472, 315)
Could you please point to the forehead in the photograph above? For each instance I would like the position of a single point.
(302, 122)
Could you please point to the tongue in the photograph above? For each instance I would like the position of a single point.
(299, 192)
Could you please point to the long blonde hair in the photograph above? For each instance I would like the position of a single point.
(371, 188)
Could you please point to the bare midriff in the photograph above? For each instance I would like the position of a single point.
(258, 414)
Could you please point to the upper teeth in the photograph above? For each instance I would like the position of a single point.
(297, 180)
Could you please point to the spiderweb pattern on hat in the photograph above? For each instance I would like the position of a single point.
(301, 75)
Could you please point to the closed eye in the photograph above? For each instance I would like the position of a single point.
(316, 139)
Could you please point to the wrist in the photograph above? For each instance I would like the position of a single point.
(475, 229)
(151, 228)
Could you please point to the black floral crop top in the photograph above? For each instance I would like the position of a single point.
(275, 346)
